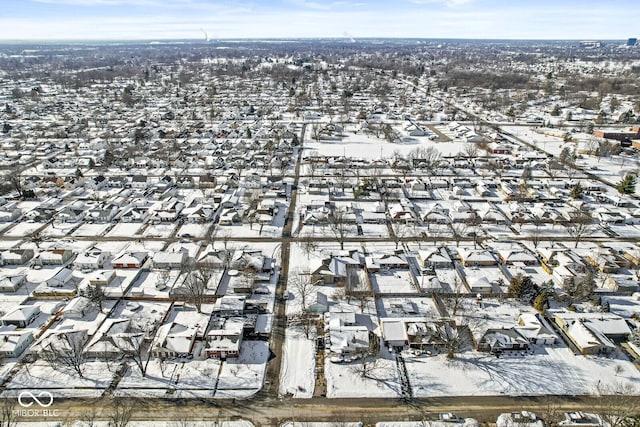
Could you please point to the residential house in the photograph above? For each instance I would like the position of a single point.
(113, 339)
(11, 283)
(345, 336)
(336, 270)
(481, 285)
(224, 338)
(130, 259)
(394, 332)
(436, 215)
(515, 256)
(15, 256)
(434, 258)
(103, 214)
(498, 340)
(536, 329)
(21, 316)
(91, 259)
(136, 214)
(519, 419)
(174, 340)
(169, 260)
(138, 181)
(581, 419)
(13, 343)
(229, 216)
(9, 212)
(102, 277)
(73, 213)
(592, 333)
(54, 257)
(77, 308)
(386, 262)
(476, 257)
(61, 278)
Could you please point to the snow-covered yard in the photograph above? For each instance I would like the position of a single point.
(23, 229)
(63, 381)
(343, 380)
(124, 229)
(159, 230)
(90, 230)
(548, 371)
(297, 376)
(193, 230)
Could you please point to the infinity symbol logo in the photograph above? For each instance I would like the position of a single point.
(35, 399)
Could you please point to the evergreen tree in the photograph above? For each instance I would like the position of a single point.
(627, 185)
(576, 191)
(522, 288)
(541, 301)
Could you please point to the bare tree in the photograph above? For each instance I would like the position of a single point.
(455, 298)
(15, 179)
(304, 287)
(89, 418)
(66, 351)
(458, 229)
(309, 246)
(132, 347)
(225, 237)
(536, 232)
(339, 225)
(580, 225)
(306, 321)
(368, 361)
(617, 404)
(582, 287)
(8, 412)
(455, 338)
(471, 150)
(195, 285)
(398, 232)
(121, 410)
(551, 413)
(162, 279)
(428, 158)
(312, 163)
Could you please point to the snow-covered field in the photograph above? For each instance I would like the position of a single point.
(297, 376)
(160, 230)
(91, 230)
(550, 370)
(344, 381)
(193, 230)
(62, 382)
(361, 145)
(124, 229)
(23, 229)
(201, 378)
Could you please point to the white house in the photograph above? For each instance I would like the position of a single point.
(13, 343)
(21, 316)
(77, 308)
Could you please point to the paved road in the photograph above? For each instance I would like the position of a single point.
(272, 380)
(273, 412)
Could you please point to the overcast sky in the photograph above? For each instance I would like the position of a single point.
(185, 19)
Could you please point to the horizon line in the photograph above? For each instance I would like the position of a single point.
(350, 39)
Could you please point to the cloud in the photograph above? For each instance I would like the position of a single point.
(147, 3)
(449, 3)
(310, 4)
(323, 6)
